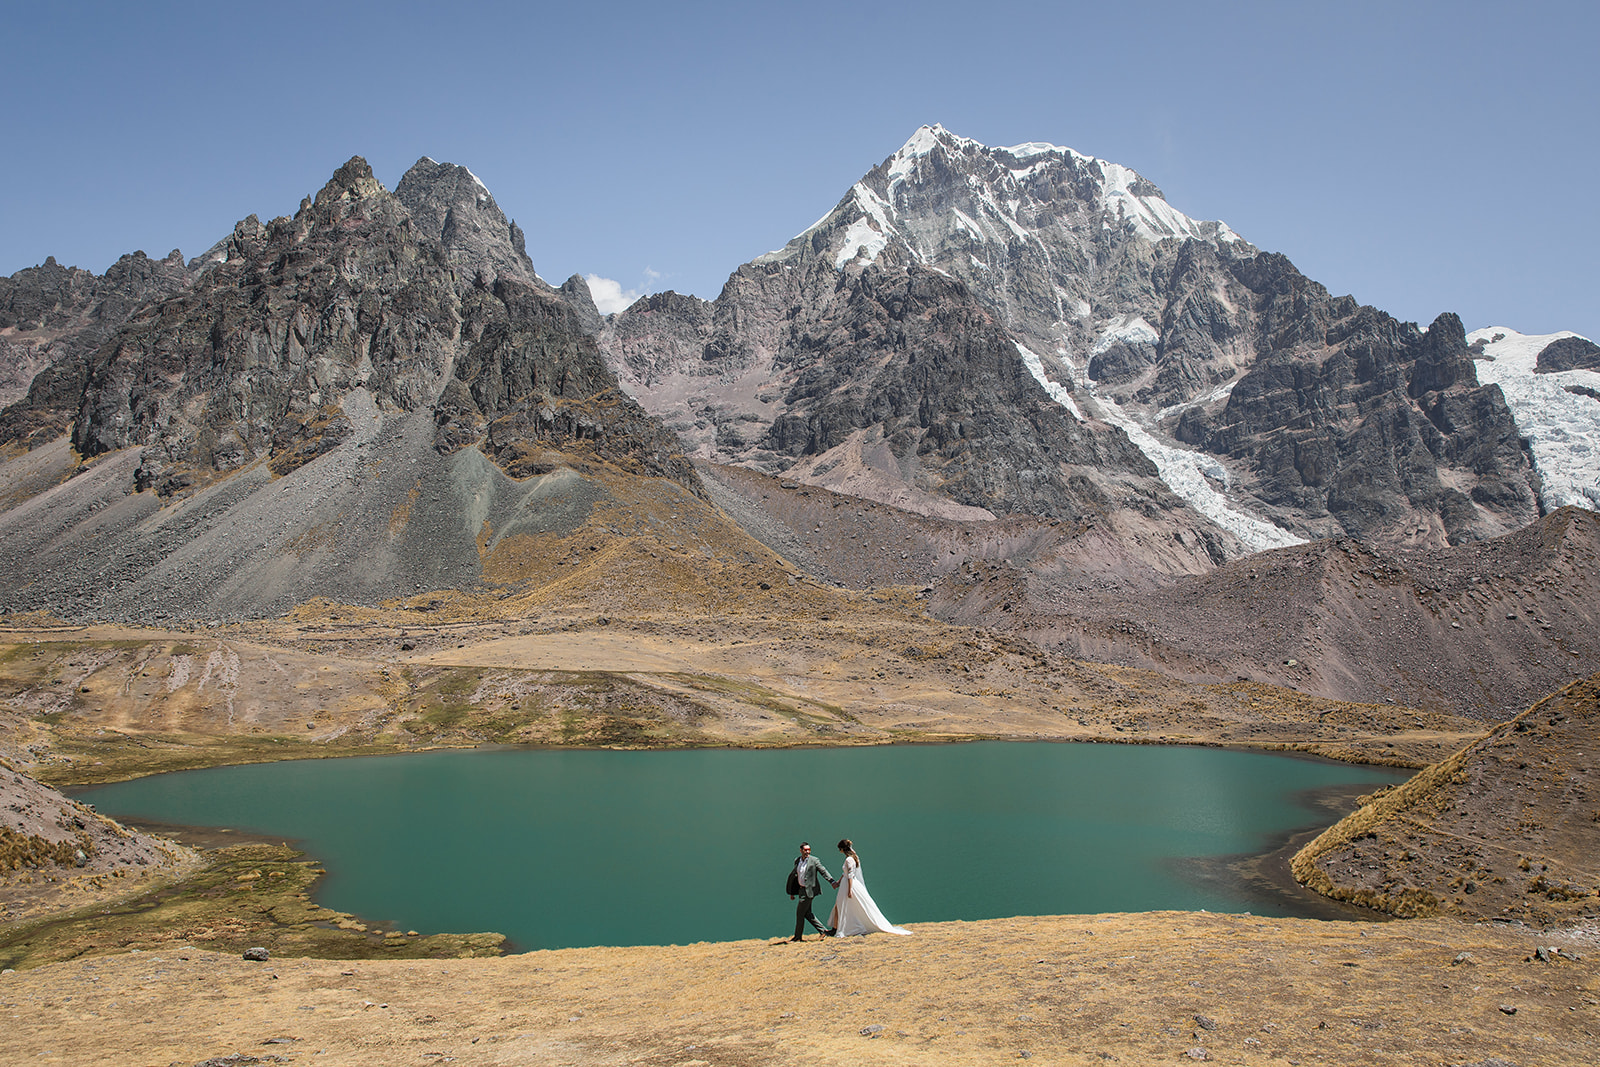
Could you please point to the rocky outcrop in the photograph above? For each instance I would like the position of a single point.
(907, 362)
(664, 336)
(449, 204)
(1363, 425)
(328, 409)
(575, 291)
(46, 837)
(1568, 353)
(51, 299)
(256, 360)
(52, 318)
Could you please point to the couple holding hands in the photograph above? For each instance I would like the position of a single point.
(853, 909)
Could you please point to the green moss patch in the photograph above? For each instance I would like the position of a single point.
(249, 895)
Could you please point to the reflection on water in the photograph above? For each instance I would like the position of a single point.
(561, 848)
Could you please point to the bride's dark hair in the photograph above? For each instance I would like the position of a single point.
(847, 848)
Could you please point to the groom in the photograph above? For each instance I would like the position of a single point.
(806, 868)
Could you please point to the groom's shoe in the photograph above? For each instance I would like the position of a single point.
(832, 931)
(796, 937)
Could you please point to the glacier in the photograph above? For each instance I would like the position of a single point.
(1562, 428)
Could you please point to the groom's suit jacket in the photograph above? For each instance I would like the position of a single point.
(808, 878)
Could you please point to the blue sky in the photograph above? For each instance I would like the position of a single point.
(1423, 156)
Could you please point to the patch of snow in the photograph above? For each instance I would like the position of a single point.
(1152, 217)
(1220, 393)
(1190, 474)
(1147, 215)
(1040, 148)
(1029, 171)
(1187, 473)
(904, 162)
(967, 224)
(1031, 149)
(976, 262)
(862, 241)
(1057, 392)
(1127, 330)
(862, 234)
(1562, 428)
(1076, 304)
(478, 181)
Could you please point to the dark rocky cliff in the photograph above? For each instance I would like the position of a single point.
(328, 409)
(255, 359)
(1568, 353)
(52, 318)
(448, 204)
(908, 357)
(1361, 424)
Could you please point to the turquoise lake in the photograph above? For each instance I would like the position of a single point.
(559, 848)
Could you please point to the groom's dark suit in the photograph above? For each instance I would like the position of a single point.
(809, 888)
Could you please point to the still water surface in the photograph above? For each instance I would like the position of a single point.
(558, 848)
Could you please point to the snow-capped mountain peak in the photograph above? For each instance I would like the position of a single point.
(940, 191)
(1033, 329)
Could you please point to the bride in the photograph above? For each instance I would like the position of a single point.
(853, 909)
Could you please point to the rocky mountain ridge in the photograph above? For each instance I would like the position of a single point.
(52, 318)
(1275, 410)
(283, 414)
(248, 412)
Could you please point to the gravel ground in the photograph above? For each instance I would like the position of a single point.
(383, 515)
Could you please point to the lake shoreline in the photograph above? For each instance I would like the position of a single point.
(1019, 784)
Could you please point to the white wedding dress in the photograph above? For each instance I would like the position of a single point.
(853, 909)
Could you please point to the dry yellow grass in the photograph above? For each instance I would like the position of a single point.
(1152, 988)
(1507, 827)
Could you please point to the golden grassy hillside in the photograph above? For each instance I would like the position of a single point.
(1508, 827)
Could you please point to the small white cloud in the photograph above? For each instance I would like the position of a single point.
(609, 296)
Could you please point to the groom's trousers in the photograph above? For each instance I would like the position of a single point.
(802, 915)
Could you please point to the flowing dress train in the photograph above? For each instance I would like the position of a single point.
(853, 909)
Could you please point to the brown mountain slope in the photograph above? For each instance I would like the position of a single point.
(1509, 827)
(1482, 629)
